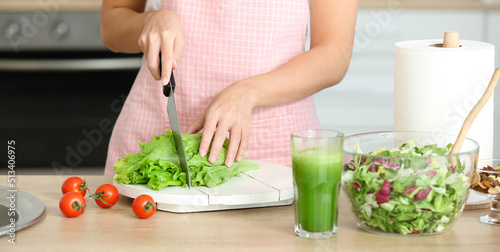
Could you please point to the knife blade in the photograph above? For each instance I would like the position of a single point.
(168, 91)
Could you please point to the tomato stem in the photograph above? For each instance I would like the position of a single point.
(148, 206)
(84, 186)
(100, 196)
(77, 206)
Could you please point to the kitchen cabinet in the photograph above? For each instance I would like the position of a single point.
(50, 5)
(363, 101)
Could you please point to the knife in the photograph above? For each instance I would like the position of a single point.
(168, 91)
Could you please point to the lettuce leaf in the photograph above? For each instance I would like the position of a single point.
(157, 164)
(420, 195)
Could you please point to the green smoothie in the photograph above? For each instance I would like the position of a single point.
(316, 175)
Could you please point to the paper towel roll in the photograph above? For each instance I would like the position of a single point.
(436, 87)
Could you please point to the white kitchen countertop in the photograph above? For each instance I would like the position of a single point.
(256, 229)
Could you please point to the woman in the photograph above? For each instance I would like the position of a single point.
(240, 70)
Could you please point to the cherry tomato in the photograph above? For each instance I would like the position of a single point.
(72, 204)
(144, 206)
(74, 184)
(106, 195)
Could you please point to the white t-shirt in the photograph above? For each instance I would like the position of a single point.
(152, 5)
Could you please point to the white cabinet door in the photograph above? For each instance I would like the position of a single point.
(363, 101)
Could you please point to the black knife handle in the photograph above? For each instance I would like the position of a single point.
(166, 88)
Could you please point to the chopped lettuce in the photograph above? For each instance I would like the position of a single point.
(406, 195)
(157, 164)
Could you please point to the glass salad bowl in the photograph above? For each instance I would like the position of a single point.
(407, 183)
(486, 181)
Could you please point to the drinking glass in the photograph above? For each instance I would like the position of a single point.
(317, 167)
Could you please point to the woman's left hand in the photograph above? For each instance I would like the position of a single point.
(229, 112)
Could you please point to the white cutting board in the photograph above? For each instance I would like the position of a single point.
(271, 185)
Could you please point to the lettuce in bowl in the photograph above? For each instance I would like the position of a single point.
(406, 190)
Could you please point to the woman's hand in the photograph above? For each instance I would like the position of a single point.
(125, 27)
(162, 33)
(229, 112)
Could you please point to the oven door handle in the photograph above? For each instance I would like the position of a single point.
(65, 65)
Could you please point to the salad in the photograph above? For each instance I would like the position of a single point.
(406, 190)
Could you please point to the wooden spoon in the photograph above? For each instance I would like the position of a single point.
(475, 110)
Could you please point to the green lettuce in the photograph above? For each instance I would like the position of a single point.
(157, 164)
(426, 194)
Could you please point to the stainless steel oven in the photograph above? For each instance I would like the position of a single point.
(61, 90)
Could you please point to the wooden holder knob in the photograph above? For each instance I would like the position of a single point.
(451, 40)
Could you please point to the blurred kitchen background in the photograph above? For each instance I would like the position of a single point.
(61, 90)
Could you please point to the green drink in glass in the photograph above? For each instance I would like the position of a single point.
(317, 167)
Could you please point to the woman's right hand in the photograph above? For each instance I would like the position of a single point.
(162, 33)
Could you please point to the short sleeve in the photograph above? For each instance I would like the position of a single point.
(152, 5)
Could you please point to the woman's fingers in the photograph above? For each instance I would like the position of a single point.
(197, 125)
(243, 143)
(229, 113)
(153, 59)
(234, 143)
(217, 142)
(162, 33)
(214, 139)
(167, 47)
(207, 135)
(215, 132)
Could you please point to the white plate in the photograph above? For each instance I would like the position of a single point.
(271, 185)
(28, 208)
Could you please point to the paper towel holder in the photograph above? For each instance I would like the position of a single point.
(450, 40)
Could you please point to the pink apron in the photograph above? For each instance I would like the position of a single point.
(225, 41)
